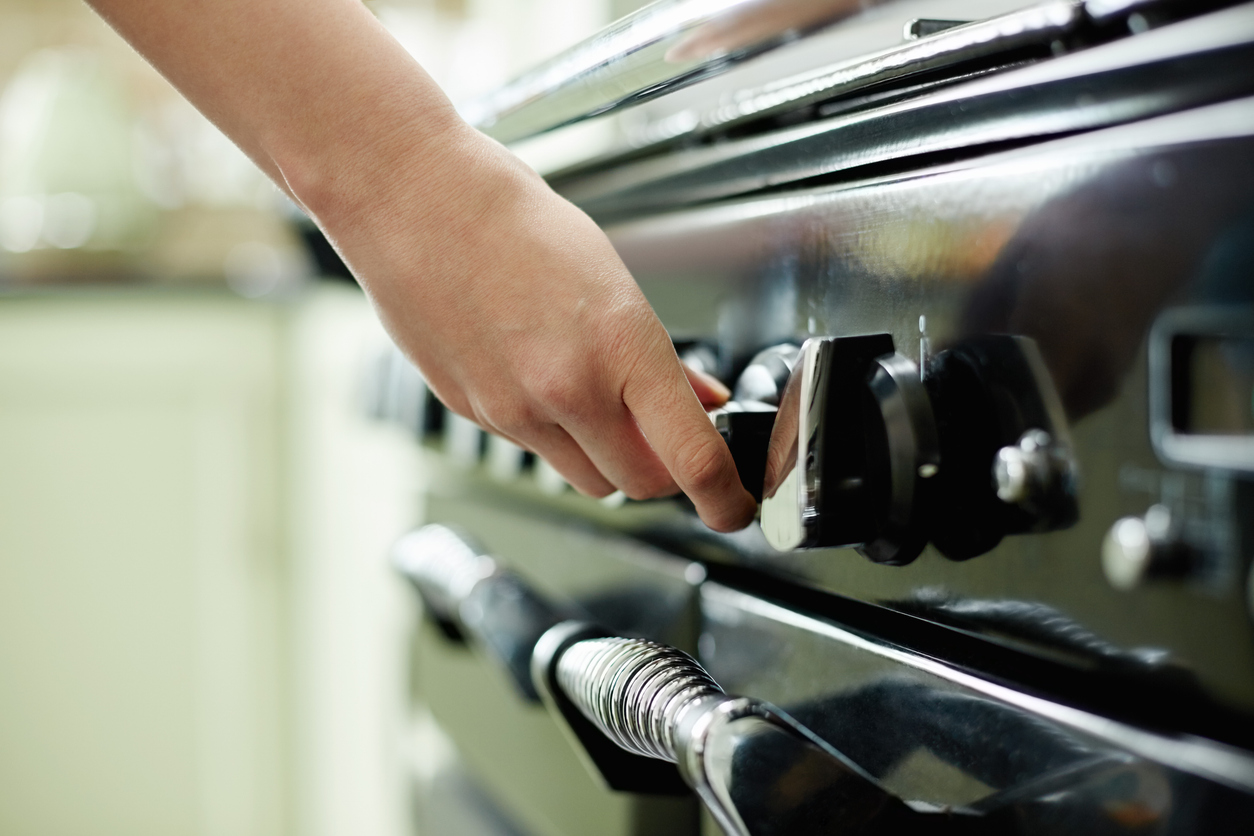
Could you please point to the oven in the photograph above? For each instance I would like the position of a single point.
(981, 278)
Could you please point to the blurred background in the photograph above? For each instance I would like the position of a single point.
(199, 633)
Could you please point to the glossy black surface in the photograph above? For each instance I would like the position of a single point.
(933, 734)
(1093, 206)
(881, 725)
(1079, 245)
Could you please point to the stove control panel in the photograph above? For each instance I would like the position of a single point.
(855, 445)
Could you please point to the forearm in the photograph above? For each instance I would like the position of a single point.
(511, 301)
(316, 92)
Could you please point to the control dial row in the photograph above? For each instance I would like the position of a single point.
(848, 443)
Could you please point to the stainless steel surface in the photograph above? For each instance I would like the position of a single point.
(760, 773)
(941, 50)
(666, 45)
(1079, 244)
(1186, 64)
(674, 44)
(1048, 254)
(933, 733)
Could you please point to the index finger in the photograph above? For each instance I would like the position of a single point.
(671, 417)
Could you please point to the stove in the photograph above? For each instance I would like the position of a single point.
(981, 277)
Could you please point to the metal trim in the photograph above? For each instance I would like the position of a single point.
(1197, 756)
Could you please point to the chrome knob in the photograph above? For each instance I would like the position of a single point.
(1033, 471)
(1137, 549)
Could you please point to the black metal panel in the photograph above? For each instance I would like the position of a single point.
(1078, 244)
(937, 736)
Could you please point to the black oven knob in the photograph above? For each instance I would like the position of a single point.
(1009, 465)
(903, 461)
(852, 451)
(865, 451)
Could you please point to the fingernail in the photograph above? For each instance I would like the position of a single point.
(716, 385)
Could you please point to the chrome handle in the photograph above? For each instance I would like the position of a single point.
(473, 596)
(758, 772)
(637, 692)
(445, 568)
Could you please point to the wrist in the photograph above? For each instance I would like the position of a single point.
(343, 171)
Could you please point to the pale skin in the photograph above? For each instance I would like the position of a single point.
(510, 300)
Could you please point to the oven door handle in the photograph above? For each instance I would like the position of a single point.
(646, 715)
(647, 718)
(757, 771)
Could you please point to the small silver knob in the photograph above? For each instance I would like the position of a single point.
(1140, 548)
(1030, 470)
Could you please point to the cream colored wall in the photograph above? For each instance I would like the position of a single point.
(141, 568)
(354, 490)
(199, 633)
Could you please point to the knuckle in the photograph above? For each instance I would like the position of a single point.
(650, 486)
(509, 416)
(702, 465)
(594, 491)
(560, 391)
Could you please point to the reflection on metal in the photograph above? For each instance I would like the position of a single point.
(758, 772)
(1035, 625)
(633, 707)
(741, 619)
(663, 47)
(1187, 64)
(944, 48)
(672, 44)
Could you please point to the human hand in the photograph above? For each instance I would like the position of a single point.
(522, 318)
(511, 301)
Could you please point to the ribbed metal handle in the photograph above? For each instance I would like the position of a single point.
(443, 565)
(636, 691)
